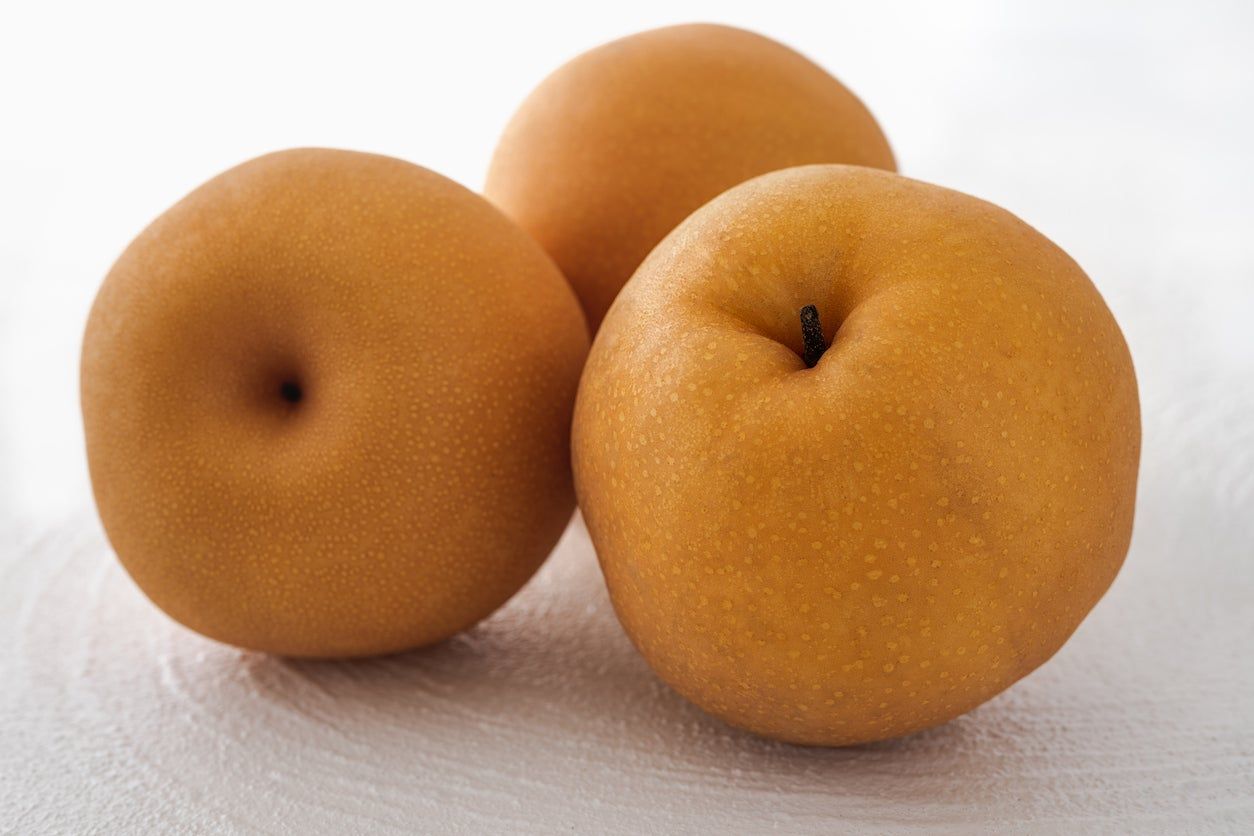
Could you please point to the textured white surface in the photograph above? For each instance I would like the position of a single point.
(1122, 134)
(545, 718)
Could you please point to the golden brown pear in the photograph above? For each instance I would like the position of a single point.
(327, 402)
(877, 544)
(618, 146)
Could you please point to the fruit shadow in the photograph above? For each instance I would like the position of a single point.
(552, 674)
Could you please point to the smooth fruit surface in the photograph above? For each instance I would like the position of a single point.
(875, 545)
(618, 146)
(327, 401)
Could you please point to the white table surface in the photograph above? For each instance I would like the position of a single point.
(1123, 132)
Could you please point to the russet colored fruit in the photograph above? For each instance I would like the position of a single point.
(618, 146)
(327, 400)
(877, 544)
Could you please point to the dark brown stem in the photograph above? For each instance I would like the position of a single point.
(812, 340)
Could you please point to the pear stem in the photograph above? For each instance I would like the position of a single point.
(812, 340)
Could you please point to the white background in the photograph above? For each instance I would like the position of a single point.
(1122, 131)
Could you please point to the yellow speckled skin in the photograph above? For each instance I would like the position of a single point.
(618, 146)
(423, 474)
(878, 544)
